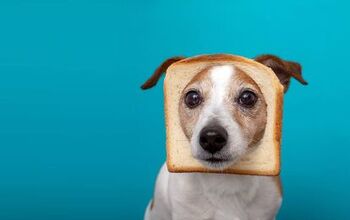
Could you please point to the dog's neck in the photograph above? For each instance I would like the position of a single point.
(215, 185)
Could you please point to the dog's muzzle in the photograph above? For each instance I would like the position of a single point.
(213, 138)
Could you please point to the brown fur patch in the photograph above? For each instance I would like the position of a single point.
(152, 81)
(283, 69)
(252, 121)
(188, 117)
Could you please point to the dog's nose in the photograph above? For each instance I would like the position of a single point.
(213, 139)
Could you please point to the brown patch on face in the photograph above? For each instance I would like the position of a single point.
(188, 117)
(251, 120)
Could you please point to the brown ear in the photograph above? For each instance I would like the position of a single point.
(152, 81)
(283, 69)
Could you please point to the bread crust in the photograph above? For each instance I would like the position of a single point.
(223, 58)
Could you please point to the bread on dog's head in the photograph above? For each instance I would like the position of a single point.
(270, 73)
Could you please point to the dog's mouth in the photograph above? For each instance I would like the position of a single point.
(216, 162)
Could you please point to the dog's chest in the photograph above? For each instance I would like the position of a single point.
(213, 196)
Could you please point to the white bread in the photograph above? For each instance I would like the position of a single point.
(265, 159)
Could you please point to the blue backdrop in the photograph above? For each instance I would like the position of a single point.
(80, 140)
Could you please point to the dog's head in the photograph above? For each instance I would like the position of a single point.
(222, 111)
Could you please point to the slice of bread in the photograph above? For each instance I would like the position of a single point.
(265, 159)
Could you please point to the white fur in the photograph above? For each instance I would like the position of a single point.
(220, 77)
(216, 110)
(201, 196)
(204, 196)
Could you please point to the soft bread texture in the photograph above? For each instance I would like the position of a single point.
(265, 159)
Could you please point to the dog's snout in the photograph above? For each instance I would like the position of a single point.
(213, 139)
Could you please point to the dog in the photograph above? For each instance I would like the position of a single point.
(221, 130)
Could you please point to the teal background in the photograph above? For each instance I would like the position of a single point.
(80, 140)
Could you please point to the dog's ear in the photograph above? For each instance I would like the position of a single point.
(152, 81)
(283, 69)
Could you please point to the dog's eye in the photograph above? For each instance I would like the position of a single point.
(247, 99)
(193, 99)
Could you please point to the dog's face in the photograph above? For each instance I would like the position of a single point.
(222, 110)
(223, 115)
